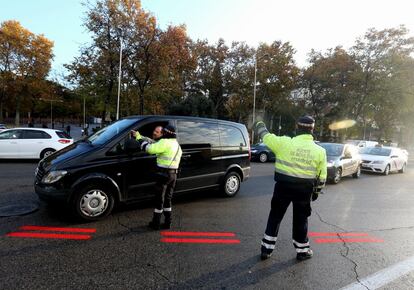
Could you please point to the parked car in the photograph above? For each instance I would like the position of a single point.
(2, 127)
(383, 159)
(262, 153)
(100, 171)
(362, 143)
(342, 160)
(31, 143)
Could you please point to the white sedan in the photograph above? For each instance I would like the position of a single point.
(383, 160)
(31, 142)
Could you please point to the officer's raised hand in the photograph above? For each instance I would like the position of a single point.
(260, 129)
(136, 135)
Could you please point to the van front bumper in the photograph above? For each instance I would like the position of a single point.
(51, 193)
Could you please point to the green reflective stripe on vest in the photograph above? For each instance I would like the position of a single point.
(165, 158)
(290, 164)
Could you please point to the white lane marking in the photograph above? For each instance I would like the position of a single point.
(384, 276)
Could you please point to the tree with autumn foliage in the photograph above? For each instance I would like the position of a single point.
(155, 62)
(25, 61)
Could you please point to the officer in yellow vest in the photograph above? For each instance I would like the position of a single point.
(300, 174)
(168, 152)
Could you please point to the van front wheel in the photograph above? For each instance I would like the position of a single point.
(93, 203)
(231, 184)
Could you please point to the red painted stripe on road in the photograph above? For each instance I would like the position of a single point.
(56, 229)
(49, 236)
(197, 234)
(313, 234)
(199, 241)
(348, 240)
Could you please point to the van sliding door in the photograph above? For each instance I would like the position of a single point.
(200, 166)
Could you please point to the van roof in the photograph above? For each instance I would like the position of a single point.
(142, 117)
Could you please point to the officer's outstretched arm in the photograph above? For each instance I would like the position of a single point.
(270, 140)
(155, 148)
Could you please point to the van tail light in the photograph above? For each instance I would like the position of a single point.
(64, 141)
(250, 151)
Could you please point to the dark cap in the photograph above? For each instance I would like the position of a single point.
(306, 122)
(170, 130)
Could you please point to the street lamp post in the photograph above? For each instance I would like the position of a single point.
(51, 109)
(119, 77)
(254, 92)
(84, 112)
(254, 96)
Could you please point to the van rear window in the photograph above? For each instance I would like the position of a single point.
(201, 133)
(231, 136)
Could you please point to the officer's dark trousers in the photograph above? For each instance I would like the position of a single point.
(164, 188)
(284, 194)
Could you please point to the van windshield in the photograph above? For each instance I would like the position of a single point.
(107, 133)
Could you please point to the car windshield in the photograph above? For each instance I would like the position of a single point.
(353, 142)
(376, 151)
(332, 149)
(107, 133)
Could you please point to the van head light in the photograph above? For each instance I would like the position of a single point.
(378, 162)
(53, 176)
(253, 150)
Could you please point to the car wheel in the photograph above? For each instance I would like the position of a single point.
(46, 152)
(263, 157)
(357, 173)
(231, 184)
(402, 170)
(387, 170)
(93, 202)
(338, 175)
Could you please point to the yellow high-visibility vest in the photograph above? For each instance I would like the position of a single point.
(168, 153)
(298, 158)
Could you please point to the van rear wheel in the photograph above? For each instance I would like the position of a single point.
(231, 184)
(93, 203)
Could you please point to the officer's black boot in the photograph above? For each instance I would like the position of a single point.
(156, 220)
(168, 219)
(305, 255)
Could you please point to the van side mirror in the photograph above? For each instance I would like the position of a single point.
(131, 146)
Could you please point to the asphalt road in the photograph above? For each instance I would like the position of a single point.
(123, 253)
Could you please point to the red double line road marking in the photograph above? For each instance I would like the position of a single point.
(42, 235)
(343, 238)
(198, 234)
(49, 236)
(171, 237)
(199, 241)
(314, 234)
(348, 240)
(56, 229)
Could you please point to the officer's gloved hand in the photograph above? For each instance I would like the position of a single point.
(259, 124)
(260, 129)
(316, 193)
(136, 135)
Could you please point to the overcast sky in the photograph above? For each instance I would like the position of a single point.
(306, 24)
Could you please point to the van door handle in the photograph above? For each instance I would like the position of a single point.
(186, 156)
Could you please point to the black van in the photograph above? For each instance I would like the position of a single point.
(94, 174)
